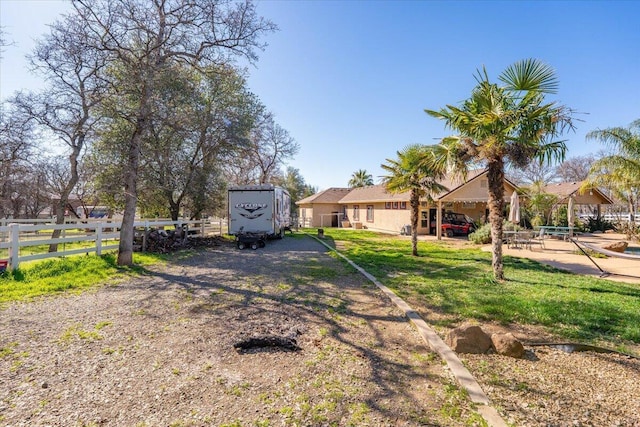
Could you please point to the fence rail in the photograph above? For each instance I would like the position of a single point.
(621, 217)
(99, 236)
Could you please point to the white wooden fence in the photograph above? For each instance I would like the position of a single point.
(102, 235)
(621, 217)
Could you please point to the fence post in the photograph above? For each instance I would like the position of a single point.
(99, 238)
(202, 221)
(14, 250)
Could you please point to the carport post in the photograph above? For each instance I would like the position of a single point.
(439, 221)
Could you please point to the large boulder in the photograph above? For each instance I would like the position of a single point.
(616, 246)
(468, 338)
(507, 345)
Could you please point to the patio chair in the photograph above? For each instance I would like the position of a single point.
(538, 239)
(522, 239)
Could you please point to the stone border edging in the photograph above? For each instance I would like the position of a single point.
(462, 374)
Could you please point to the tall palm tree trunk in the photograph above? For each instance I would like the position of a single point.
(495, 176)
(414, 201)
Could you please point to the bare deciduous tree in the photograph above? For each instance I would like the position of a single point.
(535, 172)
(269, 146)
(16, 148)
(575, 169)
(65, 108)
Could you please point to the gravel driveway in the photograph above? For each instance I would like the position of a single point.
(158, 350)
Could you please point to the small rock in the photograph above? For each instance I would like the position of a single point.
(507, 345)
(616, 246)
(44, 385)
(468, 338)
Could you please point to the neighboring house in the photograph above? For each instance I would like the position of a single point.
(322, 209)
(374, 208)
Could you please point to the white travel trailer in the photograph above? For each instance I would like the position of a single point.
(257, 212)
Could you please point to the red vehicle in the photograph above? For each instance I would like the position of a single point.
(455, 224)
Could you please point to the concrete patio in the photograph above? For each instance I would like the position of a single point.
(565, 255)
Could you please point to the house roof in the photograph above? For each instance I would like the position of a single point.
(564, 190)
(330, 195)
(373, 193)
(379, 193)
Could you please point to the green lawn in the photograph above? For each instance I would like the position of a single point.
(458, 284)
(73, 273)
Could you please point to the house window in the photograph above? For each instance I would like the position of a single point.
(356, 212)
(395, 205)
(423, 219)
(403, 205)
(369, 213)
(387, 205)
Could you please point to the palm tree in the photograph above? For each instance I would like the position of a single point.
(619, 171)
(414, 171)
(360, 178)
(503, 124)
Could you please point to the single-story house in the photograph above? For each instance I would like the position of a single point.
(375, 208)
(322, 209)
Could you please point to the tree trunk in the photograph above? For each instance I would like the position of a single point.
(125, 247)
(495, 176)
(632, 208)
(174, 209)
(415, 207)
(66, 191)
(59, 210)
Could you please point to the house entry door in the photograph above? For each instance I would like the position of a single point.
(432, 221)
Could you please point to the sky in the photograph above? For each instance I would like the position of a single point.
(350, 80)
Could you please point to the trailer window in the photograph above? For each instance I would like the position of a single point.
(369, 213)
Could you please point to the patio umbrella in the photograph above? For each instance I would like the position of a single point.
(514, 212)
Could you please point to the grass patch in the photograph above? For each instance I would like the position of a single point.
(458, 284)
(74, 274)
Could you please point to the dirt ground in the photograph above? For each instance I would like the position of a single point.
(159, 350)
(162, 350)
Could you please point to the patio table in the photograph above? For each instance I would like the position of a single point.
(557, 231)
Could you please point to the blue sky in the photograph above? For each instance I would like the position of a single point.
(350, 79)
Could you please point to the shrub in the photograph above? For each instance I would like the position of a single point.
(537, 221)
(630, 229)
(598, 224)
(482, 235)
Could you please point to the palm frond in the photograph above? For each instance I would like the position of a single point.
(530, 75)
(619, 138)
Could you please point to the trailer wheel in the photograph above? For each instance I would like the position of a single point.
(254, 245)
(241, 245)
